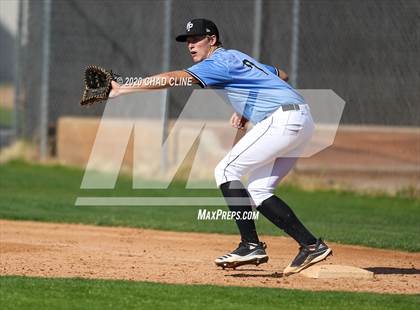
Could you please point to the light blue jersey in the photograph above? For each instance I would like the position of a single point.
(254, 89)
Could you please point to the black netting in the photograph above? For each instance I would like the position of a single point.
(366, 51)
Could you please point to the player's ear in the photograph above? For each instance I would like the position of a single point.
(213, 40)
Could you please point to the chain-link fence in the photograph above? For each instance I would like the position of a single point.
(366, 51)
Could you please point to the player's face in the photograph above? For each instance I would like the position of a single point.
(199, 47)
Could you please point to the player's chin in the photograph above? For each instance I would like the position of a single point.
(196, 58)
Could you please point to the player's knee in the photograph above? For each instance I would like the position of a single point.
(218, 174)
(223, 173)
(259, 194)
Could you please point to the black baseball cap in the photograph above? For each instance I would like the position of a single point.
(198, 27)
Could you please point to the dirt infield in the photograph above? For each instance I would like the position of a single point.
(68, 250)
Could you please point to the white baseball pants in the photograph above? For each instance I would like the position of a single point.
(267, 152)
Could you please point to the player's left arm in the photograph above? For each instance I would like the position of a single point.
(280, 73)
(158, 81)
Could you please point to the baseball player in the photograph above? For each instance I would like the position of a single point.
(282, 127)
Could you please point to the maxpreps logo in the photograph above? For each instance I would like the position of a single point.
(219, 214)
(189, 26)
(157, 159)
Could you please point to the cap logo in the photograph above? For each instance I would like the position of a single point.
(207, 30)
(189, 26)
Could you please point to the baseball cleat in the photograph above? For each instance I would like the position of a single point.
(245, 254)
(307, 256)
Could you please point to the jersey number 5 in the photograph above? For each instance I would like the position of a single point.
(250, 64)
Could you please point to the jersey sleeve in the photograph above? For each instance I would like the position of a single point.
(210, 72)
(272, 69)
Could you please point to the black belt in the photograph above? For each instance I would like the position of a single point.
(289, 107)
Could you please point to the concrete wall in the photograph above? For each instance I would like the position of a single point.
(379, 158)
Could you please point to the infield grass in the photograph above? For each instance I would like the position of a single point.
(45, 293)
(48, 193)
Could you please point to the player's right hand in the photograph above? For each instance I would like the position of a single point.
(238, 121)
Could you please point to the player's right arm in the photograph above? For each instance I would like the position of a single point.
(280, 73)
(238, 121)
(283, 75)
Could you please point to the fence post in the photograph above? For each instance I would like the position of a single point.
(256, 48)
(294, 57)
(46, 28)
(166, 58)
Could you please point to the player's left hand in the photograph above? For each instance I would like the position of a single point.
(238, 121)
(115, 90)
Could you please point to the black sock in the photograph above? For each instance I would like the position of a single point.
(235, 189)
(280, 214)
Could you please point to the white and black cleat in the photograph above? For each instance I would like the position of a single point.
(245, 254)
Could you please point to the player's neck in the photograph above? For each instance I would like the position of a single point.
(212, 50)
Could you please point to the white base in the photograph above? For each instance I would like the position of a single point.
(335, 272)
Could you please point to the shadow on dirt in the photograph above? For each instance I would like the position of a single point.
(392, 270)
(250, 275)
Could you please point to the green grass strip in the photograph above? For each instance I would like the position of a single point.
(41, 193)
(47, 293)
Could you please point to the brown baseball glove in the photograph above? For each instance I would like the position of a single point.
(97, 85)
